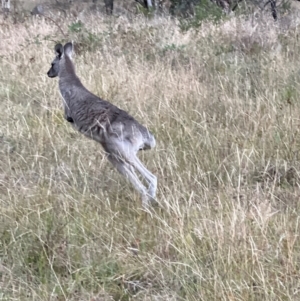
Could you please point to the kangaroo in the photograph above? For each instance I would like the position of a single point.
(120, 135)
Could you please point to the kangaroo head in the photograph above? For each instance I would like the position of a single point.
(61, 53)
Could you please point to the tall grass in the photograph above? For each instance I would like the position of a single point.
(223, 104)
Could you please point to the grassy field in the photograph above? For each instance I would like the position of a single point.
(223, 104)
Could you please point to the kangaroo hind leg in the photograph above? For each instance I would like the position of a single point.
(146, 174)
(126, 170)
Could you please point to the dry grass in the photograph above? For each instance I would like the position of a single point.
(223, 105)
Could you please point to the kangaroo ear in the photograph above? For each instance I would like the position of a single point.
(68, 49)
(59, 50)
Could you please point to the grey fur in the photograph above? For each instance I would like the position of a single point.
(119, 133)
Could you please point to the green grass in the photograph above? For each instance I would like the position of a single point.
(223, 105)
